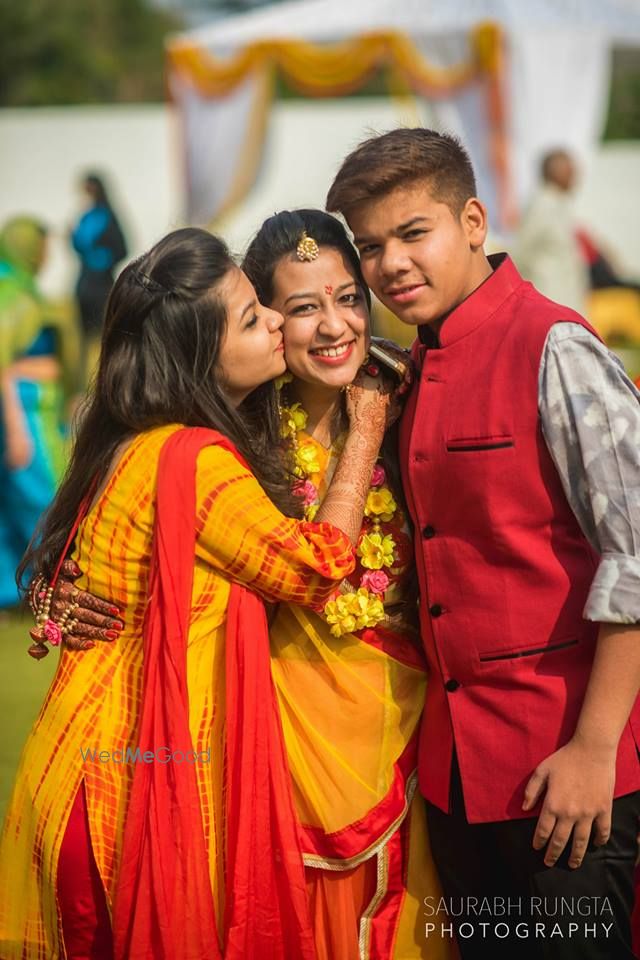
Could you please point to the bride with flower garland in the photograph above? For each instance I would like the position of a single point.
(351, 680)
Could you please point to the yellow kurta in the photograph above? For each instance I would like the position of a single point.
(94, 700)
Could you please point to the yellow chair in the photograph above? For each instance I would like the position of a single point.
(615, 313)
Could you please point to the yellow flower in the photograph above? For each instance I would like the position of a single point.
(298, 415)
(292, 419)
(353, 611)
(307, 458)
(376, 551)
(380, 504)
(310, 511)
(280, 381)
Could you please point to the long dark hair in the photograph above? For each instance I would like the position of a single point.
(279, 236)
(164, 325)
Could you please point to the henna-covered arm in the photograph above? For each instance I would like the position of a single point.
(370, 409)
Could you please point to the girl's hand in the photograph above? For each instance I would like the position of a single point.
(370, 405)
(88, 618)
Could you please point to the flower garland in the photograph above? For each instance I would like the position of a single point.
(353, 607)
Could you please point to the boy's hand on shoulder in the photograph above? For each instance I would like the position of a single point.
(579, 783)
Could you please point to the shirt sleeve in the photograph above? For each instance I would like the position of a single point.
(590, 414)
(243, 535)
(531, 233)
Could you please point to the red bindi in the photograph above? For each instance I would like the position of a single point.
(328, 288)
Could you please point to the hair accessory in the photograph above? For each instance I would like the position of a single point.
(148, 283)
(307, 248)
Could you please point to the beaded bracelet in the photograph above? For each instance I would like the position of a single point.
(46, 629)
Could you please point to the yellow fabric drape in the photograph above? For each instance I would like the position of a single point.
(325, 70)
(337, 69)
(348, 709)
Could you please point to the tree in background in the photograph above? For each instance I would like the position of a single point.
(56, 52)
(71, 51)
(199, 11)
(623, 121)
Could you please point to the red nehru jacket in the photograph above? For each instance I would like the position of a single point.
(503, 565)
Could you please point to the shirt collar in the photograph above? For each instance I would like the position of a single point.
(478, 306)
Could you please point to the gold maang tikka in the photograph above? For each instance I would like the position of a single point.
(307, 248)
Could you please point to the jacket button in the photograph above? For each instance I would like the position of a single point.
(452, 685)
(428, 532)
(435, 610)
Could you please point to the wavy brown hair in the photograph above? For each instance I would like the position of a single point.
(159, 364)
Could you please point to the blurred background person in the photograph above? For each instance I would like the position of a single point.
(99, 242)
(603, 274)
(614, 300)
(546, 249)
(39, 361)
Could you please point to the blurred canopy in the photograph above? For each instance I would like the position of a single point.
(71, 51)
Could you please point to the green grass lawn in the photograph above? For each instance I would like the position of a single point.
(24, 684)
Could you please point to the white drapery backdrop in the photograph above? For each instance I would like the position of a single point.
(224, 100)
(538, 81)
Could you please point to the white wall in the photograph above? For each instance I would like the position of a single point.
(43, 151)
(609, 201)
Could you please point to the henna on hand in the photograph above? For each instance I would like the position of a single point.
(89, 609)
(77, 643)
(87, 618)
(369, 407)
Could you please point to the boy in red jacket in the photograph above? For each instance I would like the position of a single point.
(520, 448)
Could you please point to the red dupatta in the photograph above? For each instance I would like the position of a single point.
(164, 906)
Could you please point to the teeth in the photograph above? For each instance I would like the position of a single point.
(332, 351)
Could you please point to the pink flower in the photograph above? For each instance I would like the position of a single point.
(376, 581)
(307, 490)
(52, 633)
(378, 476)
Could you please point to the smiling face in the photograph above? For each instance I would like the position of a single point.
(418, 257)
(326, 320)
(252, 351)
